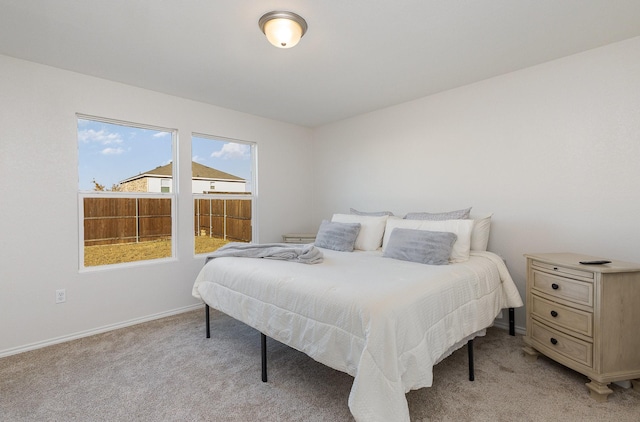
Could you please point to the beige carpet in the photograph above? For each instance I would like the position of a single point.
(166, 370)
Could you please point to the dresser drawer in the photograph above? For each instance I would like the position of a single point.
(570, 347)
(563, 271)
(580, 292)
(562, 316)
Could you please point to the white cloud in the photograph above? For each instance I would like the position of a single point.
(112, 151)
(99, 136)
(197, 159)
(233, 151)
(161, 134)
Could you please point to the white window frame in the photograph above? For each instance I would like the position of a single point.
(172, 195)
(254, 188)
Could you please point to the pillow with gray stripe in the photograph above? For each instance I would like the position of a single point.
(438, 216)
(371, 213)
(337, 236)
(422, 246)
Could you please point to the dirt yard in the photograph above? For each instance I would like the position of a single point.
(130, 252)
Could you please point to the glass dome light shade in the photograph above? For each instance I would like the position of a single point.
(283, 33)
(283, 29)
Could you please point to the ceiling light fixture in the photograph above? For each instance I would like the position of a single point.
(283, 29)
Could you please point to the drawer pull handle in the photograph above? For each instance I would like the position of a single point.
(554, 314)
(553, 341)
(554, 286)
(555, 268)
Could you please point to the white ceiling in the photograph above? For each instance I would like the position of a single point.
(357, 56)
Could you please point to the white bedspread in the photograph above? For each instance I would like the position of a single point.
(385, 322)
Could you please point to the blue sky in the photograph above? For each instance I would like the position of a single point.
(110, 153)
(230, 157)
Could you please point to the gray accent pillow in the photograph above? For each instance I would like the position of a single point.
(337, 236)
(422, 246)
(438, 216)
(373, 214)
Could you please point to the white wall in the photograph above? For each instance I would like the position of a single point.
(39, 203)
(553, 151)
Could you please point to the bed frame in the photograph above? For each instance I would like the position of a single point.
(263, 342)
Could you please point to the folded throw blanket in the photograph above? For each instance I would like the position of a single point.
(305, 254)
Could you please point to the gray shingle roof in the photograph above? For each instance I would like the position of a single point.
(197, 171)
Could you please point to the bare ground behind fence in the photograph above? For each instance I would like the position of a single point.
(130, 252)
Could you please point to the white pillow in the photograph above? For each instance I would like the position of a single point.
(480, 233)
(371, 229)
(462, 228)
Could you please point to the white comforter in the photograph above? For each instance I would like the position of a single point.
(385, 322)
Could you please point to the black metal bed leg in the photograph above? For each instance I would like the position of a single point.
(470, 351)
(206, 319)
(512, 322)
(263, 350)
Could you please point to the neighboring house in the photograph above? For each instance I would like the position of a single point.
(204, 180)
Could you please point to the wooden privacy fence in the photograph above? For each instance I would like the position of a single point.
(126, 220)
(224, 218)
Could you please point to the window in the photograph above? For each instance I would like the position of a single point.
(165, 185)
(223, 186)
(126, 180)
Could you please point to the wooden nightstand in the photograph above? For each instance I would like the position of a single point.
(299, 238)
(585, 317)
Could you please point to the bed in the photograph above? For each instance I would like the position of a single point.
(384, 321)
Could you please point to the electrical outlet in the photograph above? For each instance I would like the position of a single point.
(61, 296)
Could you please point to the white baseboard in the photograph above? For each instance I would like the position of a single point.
(99, 330)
